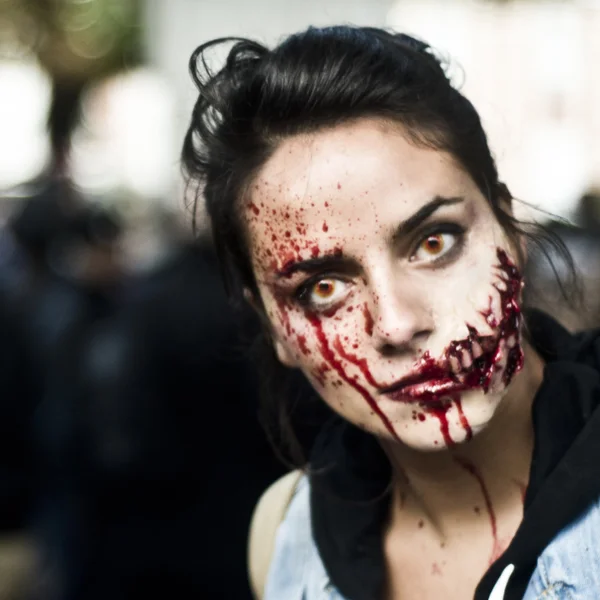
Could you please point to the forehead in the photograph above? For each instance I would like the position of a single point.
(347, 182)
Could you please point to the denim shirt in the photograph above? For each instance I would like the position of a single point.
(568, 569)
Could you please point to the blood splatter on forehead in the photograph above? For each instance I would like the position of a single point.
(285, 238)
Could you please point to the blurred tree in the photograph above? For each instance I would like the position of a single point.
(77, 42)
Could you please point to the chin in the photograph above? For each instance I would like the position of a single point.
(480, 409)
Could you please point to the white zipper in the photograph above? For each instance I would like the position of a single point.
(500, 587)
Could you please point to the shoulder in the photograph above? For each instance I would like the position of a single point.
(570, 564)
(286, 562)
(268, 515)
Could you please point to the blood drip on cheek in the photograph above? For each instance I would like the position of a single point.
(284, 316)
(369, 324)
(302, 343)
(336, 365)
(361, 363)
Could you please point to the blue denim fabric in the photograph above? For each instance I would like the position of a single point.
(568, 569)
(296, 571)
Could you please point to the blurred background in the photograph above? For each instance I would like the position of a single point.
(130, 451)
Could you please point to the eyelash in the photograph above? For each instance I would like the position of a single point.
(302, 293)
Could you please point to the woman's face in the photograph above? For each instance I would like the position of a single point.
(387, 280)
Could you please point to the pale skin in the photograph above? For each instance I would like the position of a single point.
(356, 290)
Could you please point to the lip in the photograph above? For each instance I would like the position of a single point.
(416, 388)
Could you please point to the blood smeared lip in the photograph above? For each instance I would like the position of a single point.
(425, 390)
(433, 380)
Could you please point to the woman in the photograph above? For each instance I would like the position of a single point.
(355, 203)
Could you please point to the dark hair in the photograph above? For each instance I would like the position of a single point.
(312, 80)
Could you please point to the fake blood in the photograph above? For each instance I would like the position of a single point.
(433, 381)
(440, 412)
(472, 470)
(369, 324)
(330, 358)
(361, 363)
(463, 419)
(302, 343)
(283, 315)
(433, 385)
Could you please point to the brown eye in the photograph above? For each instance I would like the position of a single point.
(325, 292)
(434, 246)
(324, 289)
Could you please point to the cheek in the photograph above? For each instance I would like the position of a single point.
(325, 347)
(469, 287)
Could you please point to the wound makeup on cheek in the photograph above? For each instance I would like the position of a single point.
(483, 362)
(436, 385)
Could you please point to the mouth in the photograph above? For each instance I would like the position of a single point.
(433, 380)
(423, 388)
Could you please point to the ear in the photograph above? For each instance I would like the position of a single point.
(251, 300)
(283, 353)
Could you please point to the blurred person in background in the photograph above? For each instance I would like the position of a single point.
(169, 499)
(19, 395)
(74, 288)
(130, 367)
(356, 205)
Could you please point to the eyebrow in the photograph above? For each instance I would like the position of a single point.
(314, 265)
(407, 227)
(337, 260)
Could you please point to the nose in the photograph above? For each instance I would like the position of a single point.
(402, 320)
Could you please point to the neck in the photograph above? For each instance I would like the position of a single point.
(488, 474)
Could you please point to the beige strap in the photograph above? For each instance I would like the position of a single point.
(268, 514)
(18, 558)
